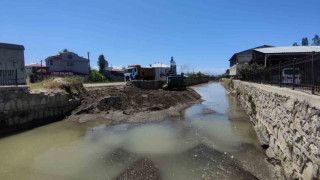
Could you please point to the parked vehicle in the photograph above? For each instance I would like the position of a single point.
(287, 75)
(176, 82)
(136, 72)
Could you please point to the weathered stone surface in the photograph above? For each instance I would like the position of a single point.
(18, 107)
(289, 122)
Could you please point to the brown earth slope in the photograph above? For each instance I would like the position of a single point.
(129, 104)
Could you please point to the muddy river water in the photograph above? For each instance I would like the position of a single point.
(222, 145)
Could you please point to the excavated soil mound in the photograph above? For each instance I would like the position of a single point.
(130, 99)
(122, 104)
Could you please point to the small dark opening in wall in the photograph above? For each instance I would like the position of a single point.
(265, 146)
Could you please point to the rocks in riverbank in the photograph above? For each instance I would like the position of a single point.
(141, 169)
(208, 111)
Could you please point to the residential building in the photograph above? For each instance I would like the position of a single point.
(241, 58)
(36, 68)
(67, 63)
(161, 70)
(12, 70)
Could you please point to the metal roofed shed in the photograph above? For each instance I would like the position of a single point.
(273, 55)
(289, 49)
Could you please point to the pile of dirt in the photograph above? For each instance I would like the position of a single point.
(119, 102)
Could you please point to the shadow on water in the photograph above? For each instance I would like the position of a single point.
(222, 145)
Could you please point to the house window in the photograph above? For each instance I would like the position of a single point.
(51, 62)
(70, 56)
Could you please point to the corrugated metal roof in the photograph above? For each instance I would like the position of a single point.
(289, 49)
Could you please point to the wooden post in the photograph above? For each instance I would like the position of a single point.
(294, 73)
(16, 77)
(312, 74)
(265, 60)
(280, 74)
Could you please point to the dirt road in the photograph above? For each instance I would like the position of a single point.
(104, 84)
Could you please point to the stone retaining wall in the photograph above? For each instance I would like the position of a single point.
(287, 122)
(20, 109)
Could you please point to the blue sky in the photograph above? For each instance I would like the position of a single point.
(200, 34)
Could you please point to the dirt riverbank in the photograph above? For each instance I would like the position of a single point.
(126, 104)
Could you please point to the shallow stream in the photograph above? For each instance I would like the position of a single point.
(222, 145)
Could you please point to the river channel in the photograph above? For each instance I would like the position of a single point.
(222, 145)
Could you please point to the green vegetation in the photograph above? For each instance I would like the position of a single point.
(301, 159)
(249, 97)
(238, 92)
(226, 82)
(253, 107)
(290, 146)
(305, 41)
(225, 75)
(76, 83)
(252, 104)
(198, 75)
(247, 69)
(102, 63)
(96, 76)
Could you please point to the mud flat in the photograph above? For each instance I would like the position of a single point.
(127, 104)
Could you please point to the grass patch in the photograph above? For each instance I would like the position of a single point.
(301, 159)
(238, 92)
(227, 82)
(290, 146)
(76, 83)
(252, 104)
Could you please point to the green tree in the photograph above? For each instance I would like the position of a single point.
(305, 41)
(65, 50)
(316, 40)
(102, 63)
(95, 76)
(295, 44)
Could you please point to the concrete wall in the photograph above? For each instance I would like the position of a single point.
(13, 59)
(288, 122)
(20, 109)
(147, 84)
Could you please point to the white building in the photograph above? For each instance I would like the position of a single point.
(161, 70)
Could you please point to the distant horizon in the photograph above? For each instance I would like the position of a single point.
(200, 35)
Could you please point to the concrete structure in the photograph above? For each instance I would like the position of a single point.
(36, 68)
(116, 74)
(161, 70)
(241, 58)
(67, 63)
(21, 109)
(287, 123)
(12, 64)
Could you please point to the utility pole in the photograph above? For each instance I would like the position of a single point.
(89, 60)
